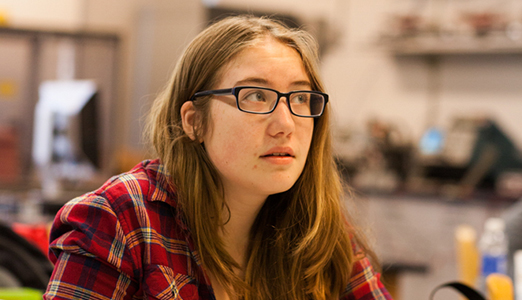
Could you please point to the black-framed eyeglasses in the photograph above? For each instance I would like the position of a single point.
(260, 100)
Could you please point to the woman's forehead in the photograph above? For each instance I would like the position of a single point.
(263, 61)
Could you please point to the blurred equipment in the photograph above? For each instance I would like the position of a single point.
(30, 56)
(432, 141)
(476, 153)
(21, 263)
(66, 137)
(384, 163)
(37, 234)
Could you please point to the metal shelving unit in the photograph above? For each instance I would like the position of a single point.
(452, 45)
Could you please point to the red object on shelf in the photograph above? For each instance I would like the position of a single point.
(37, 234)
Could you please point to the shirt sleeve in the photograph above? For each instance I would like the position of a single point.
(90, 253)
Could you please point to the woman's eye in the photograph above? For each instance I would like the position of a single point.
(256, 96)
(300, 98)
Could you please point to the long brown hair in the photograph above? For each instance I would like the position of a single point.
(300, 243)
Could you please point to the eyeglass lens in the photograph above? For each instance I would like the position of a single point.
(261, 100)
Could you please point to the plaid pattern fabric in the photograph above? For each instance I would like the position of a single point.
(365, 284)
(126, 241)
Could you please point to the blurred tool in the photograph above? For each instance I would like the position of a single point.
(475, 153)
(467, 254)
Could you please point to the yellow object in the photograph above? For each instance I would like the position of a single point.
(4, 19)
(467, 254)
(8, 88)
(20, 294)
(499, 287)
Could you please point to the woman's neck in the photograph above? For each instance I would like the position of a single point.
(236, 232)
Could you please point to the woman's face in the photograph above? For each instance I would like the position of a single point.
(259, 155)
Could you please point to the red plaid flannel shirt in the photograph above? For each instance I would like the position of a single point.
(125, 241)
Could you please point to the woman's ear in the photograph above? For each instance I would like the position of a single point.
(188, 119)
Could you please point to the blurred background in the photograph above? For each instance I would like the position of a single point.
(425, 94)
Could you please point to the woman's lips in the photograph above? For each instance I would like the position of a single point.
(278, 160)
(279, 151)
(279, 155)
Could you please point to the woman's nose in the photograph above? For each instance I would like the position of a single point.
(282, 120)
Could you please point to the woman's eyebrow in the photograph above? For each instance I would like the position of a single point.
(261, 81)
(252, 80)
(301, 83)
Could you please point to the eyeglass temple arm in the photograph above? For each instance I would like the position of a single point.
(212, 92)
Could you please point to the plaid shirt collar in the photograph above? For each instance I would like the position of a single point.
(164, 190)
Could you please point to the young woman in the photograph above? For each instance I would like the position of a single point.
(244, 202)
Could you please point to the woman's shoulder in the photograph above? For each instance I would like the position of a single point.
(148, 180)
(137, 201)
(133, 197)
(123, 223)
